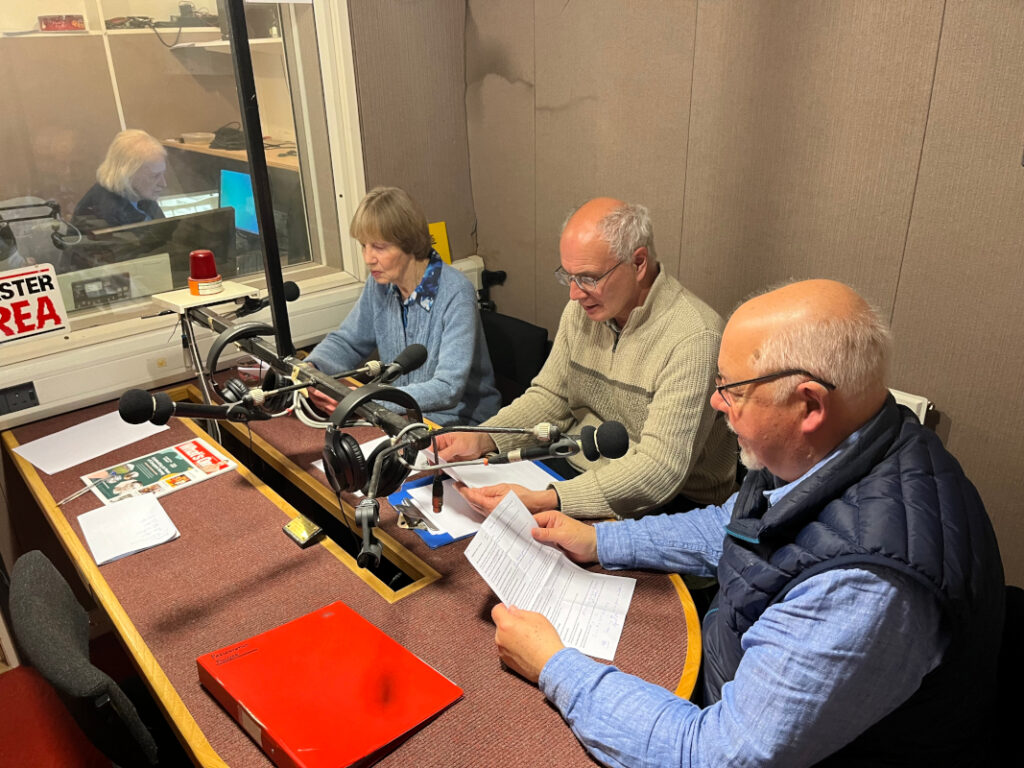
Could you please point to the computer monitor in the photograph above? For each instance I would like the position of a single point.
(177, 236)
(236, 192)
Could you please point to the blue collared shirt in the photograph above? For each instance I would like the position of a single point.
(838, 653)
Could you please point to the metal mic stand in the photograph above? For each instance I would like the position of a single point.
(368, 512)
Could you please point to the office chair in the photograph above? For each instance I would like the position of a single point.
(36, 728)
(52, 631)
(517, 348)
(1009, 713)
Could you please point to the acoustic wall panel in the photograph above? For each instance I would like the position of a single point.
(411, 81)
(959, 319)
(500, 118)
(612, 103)
(805, 135)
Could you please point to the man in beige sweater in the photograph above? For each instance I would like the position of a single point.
(632, 346)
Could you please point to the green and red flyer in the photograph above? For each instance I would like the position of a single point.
(160, 473)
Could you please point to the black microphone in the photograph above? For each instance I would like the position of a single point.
(138, 405)
(251, 305)
(610, 440)
(406, 361)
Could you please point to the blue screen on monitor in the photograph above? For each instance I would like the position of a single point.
(236, 191)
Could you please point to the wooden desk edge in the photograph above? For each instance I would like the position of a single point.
(694, 649)
(191, 736)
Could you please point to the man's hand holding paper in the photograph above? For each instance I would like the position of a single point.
(587, 610)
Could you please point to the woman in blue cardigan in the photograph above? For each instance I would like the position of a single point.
(412, 297)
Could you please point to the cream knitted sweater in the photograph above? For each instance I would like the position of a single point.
(656, 378)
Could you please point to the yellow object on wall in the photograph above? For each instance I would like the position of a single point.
(439, 239)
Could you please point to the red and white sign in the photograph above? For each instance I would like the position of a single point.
(30, 303)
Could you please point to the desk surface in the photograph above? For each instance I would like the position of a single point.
(233, 573)
(277, 157)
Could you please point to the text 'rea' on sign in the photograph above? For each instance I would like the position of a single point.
(30, 303)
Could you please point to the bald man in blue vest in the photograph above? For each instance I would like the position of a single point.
(860, 611)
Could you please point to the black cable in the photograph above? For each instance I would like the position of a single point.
(159, 37)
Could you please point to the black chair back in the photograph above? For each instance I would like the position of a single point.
(518, 350)
(52, 631)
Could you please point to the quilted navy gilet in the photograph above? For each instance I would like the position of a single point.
(894, 499)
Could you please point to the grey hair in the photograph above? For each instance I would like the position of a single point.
(625, 229)
(852, 352)
(128, 152)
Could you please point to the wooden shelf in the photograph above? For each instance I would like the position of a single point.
(224, 46)
(14, 34)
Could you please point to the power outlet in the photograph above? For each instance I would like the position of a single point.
(18, 398)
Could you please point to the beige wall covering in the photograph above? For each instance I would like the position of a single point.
(877, 143)
(959, 315)
(411, 84)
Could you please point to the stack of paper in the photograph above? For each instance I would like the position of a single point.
(122, 529)
(76, 445)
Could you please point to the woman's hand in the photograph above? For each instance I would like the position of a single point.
(325, 403)
(460, 446)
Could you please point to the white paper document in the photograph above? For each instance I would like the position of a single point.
(525, 473)
(587, 609)
(456, 518)
(82, 442)
(122, 529)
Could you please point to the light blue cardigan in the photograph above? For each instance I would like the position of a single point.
(456, 384)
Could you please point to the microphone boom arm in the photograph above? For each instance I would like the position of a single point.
(290, 366)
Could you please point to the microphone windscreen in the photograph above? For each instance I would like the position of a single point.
(291, 291)
(589, 443)
(135, 406)
(163, 408)
(411, 358)
(612, 440)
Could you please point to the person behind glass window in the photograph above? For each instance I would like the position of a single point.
(128, 183)
(412, 297)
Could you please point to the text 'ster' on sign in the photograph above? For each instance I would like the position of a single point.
(30, 303)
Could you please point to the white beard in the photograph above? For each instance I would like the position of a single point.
(747, 458)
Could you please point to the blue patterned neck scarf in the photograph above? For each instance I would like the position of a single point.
(424, 293)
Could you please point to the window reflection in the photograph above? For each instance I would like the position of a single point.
(121, 230)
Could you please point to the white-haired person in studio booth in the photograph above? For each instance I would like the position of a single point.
(128, 183)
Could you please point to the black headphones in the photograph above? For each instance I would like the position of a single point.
(234, 389)
(346, 468)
